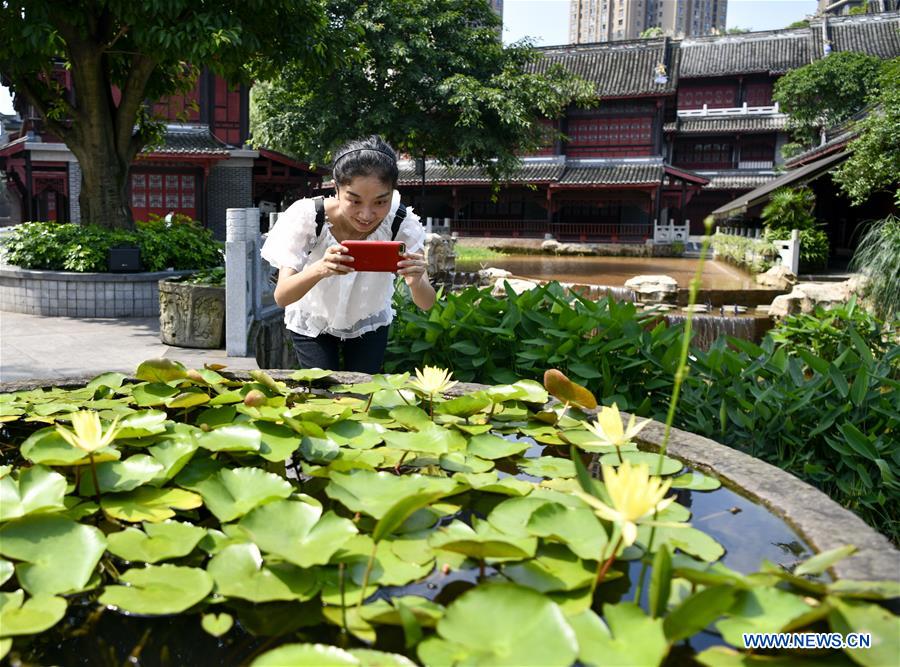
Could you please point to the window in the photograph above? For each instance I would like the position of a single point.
(704, 153)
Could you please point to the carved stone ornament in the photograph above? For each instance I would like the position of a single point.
(191, 315)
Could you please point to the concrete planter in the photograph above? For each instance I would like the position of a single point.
(191, 315)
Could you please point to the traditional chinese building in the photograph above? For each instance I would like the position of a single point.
(201, 167)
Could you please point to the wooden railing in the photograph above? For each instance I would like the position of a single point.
(742, 110)
(562, 231)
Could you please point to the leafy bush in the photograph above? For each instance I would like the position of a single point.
(180, 244)
(819, 397)
(790, 209)
(754, 255)
(878, 258)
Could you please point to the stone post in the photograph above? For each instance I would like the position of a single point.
(241, 244)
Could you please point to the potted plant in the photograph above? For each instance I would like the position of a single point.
(192, 309)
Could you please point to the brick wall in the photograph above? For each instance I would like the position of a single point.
(230, 185)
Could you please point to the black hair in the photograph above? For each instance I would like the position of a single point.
(372, 156)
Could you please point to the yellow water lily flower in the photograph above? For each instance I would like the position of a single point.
(88, 434)
(608, 427)
(635, 495)
(432, 380)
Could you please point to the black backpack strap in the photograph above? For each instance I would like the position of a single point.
(399, 217)
(320, 214)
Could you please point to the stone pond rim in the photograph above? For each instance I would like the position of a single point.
(816, 518)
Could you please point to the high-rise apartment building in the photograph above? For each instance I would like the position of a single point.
(615, 20)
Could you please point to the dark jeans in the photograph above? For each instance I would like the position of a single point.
(363, 354)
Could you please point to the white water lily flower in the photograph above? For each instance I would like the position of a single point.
(88, 434)
(608, 427)
(432, 380)
(635, 496)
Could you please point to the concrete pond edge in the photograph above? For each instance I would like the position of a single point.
(818, 519)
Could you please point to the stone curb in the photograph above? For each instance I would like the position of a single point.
(820, 521)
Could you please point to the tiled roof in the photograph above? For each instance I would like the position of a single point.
(736, 180)
(772, 52)
(875, 34)
(834, 144)
(618, 69)
(613, 174)
(189, 141)
(724, 124)
(439, 173)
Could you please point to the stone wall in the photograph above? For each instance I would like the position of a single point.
(67, 294)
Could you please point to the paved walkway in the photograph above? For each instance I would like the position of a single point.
(35, 347)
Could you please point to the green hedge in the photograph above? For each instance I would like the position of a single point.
(180, 244)
(754, 255)
(819, 397)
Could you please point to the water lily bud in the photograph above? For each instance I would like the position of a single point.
(193, 375)
(205, 427)
(254, 398)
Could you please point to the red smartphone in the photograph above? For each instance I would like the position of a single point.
(375, 255)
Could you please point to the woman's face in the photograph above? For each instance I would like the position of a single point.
(364, 202)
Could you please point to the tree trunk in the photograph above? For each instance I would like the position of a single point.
(104, 192)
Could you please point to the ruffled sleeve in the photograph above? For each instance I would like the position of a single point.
(294, 235)
(411, 232)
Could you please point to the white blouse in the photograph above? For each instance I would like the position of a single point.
(345, 306)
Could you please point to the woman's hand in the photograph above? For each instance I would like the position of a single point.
(335, 262)
(412, 267)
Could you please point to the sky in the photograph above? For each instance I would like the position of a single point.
(547, 22)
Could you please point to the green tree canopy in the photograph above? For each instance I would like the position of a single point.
(874, 162)
(826, 92)
(431, 76)
(146, 50)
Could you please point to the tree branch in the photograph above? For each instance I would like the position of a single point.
(27, 87)
(142, 67)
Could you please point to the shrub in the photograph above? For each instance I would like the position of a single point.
(878, 257)
(180, 244)
(790, 209)
(819, 397)
(754, 255)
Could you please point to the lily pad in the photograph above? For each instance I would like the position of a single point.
(459, 462)
(158, 541)
(488, 482)
(760, 610)
(277, 442)
(511, 516)
(632, 637)
(853, 616)
(696, 481)
(120, 476)
(688, 539)
(528, 391)
(297, 531)
(146, 504)
(217, 624)
(239, 572)
(465, 406)
(356, 434)
(46, 446)
(430, 440)
(142, 423)
(669, 465)
(525, 628)
(6, 570)
(37, 489)
(232, 438)
(482, 542)
(306, 655)
(374, 493)
(548, 466)
(576, 527)
(160, 370)
(554, 568)
(489, 446)
(172, 452)
(158, 590)
(30, 617)
(57, 554)
(153, 394)
(231, 493)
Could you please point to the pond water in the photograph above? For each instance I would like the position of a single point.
(614, 271)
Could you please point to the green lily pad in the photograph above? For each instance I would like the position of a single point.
(687, 539)
(297, 531)
(387, 568)
(669, 466)
(511, 516)
(760, 610)
(306, 655)
(188, 399)
(231, 438)
(158, 590)
(528, 391)
(319, 450)
(482, 542)
(239, 572)
(217, 625)
(147, 504)
(576, 527)
(488, 482)
(821, 562)
(587, 441)
(554, 568)
(430, 440)
(142, 423)
(525, 628)
(158, 541)
(120, 476)
(465, 406)
(277, 442)
(110, 380)
(57, 554)
(310, 374)
(153, 394)
(33, 490)
(548, 466)
(46, 446)
(6, 570)
(355, 434)
(547, 435)
(632, 637)
(30, 617)
(231, 493)
(173, 453)
(488, 446)
(371, 658)
(459, 462)
(853, 616)
(374, 493)
(384, 612)
(160, 370)
(696, 481)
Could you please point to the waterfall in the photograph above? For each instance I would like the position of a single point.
(707, 328)
(596, 292)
